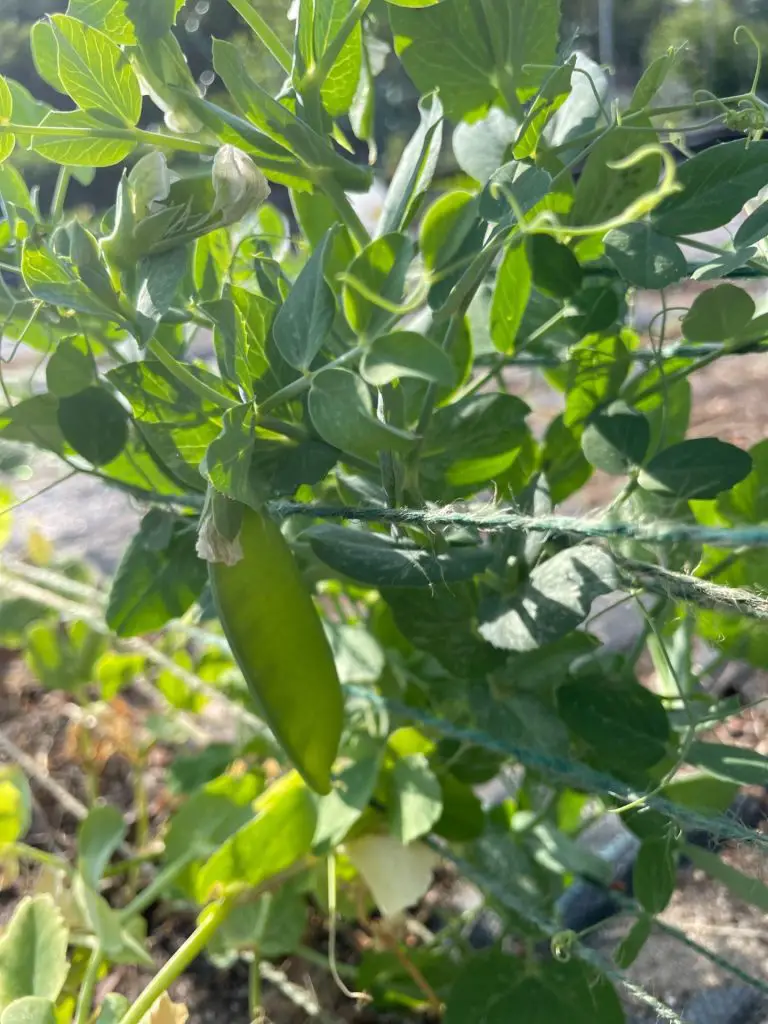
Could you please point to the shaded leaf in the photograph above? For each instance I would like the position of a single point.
(654, 874)
(33, 952)
(700, 468)
(719, 314)
(29, 1010)
(415, 798)
(734, 764)
(632, 944)
(414, 172)
(406, 354)
(94, 423)
(99, 835)
(305, 319)
(381, 270)
(616, 439)
(510, 297)
(645, 258)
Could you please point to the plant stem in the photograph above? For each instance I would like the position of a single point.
(162, 879)
(215, 916)
(136, 135)
(85, 999)
(187, 378)
(258, 24)
(302, 384)
(60, 193)
(254, 988)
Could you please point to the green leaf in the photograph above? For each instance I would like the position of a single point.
(554, 268)
(734, 764)
(176, 423)
(652, 79)
(71, 367)
(80, 147)
(89, 262)
(99, 835)
(344, 805)
(414, 173)
(7, 142)
(482, 146)
(94, 423)
(209, 817)
(54, 279)
(378, 561)
(701, 791)
(753, 230)
(526, 185)
(699, 468)
(63, 657)
(29, 1010)
(158, 280)
(603, 192)
(113, 1008)
(34, 421)
(555, 600)
(632, 944)
(719, 314)
(153, 17)
(381, 270)
(159, 576)
(752, 890)
(495, 988)
(462, 818)
(654, 874)
(240, 465)
(460, 69)
(45, 54)
(15, 804)
(406, 354)
(624, 725)
(33, 952)
(108, 15)
(524, 38)
(645, 258)
(341, 410)
(415, 798)
(617, 439)
(510, 298)
(716, 185)
(94, 71)
(339, 88)
(304, 321)
(274, 841)
(668, 405)
(748, 500)
(563, 461)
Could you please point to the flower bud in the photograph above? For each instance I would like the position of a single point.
(239, 184)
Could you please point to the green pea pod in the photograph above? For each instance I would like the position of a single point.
(279, 643)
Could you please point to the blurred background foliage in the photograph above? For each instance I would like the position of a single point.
(625, 34)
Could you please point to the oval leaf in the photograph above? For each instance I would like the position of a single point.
(617, 439)
(644, 258)
(406, 354)
(700, 468)
(719, 314)
(95, 424)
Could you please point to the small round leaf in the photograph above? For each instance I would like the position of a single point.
(95, 424)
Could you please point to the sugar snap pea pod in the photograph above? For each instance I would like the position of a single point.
(278, 641)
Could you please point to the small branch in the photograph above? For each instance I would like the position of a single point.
(259, 25)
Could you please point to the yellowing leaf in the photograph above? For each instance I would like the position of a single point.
(397, 875)
(167, 1012)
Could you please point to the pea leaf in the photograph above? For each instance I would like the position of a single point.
(624, 725)
(526, 185)
(158, 280)
(555, 600)
(378, 561)
(700, 468)
(99, 835)
(716, 185)
(645, 258)
(654, 874)
(406, 354)
(554, 268)
(80, 147)
(380, 269)
(63, 657)
(617, 439)
(30, 1010)
(108, 15)
(94, 423)
(94, 72)
(510, 298)
(71, 367)
(277, 838)
(305, 319)
(746, 767)
(753, 230)
(603, 191)
(45, 54)
(415, 798)
(416, 168)
(633, 942)
(158, 578)
(339, 88)
(563, 461)
(341, 410)
(344, 805)
(34, 421)
(153, 17)
(497, 989)
(33, 952)
(719, 314)
(54, 279)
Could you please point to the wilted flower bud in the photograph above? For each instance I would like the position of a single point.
(239, 184)
(150, 182)
(218, 537)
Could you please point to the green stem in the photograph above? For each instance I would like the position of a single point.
(91, 976)
(215, 916)
(49, 860)
(297, 387)
(187, 378)
(156, 887)
(136, 135)
(258, 24)
(60, 193)
(254, 988)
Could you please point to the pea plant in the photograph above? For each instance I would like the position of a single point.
(351, 531)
